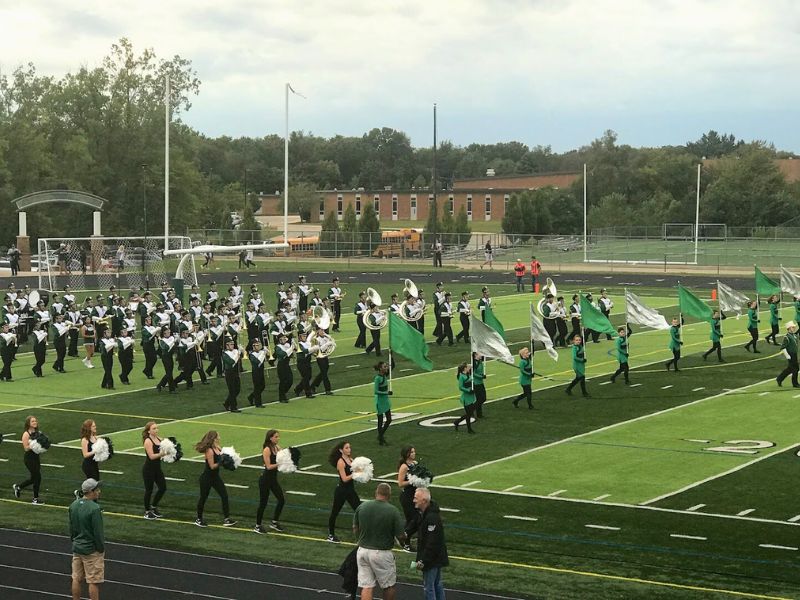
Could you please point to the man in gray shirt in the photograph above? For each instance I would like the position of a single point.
(376, 524)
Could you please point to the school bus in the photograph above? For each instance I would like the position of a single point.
(400, 242)
(301, 246)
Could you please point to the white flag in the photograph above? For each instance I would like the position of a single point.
(730, 300)
(487, 342)
(539, 334)
(638, 312)
(790, 283)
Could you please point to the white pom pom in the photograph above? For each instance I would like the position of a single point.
(36, 447)
(100, 449)
(419, 482)
(169, 450)
(231, 451)
(361, 469)
(284, 461)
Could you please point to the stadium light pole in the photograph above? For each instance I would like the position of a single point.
(286, 172)
(697, 215)
(585, 239)
(166, 163)
(434, 185)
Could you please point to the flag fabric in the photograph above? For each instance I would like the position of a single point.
(539, 334)
(765, 286)
(408, 342)
(730, 300)
(595, 320)
(691, 306)
(488, 342)
(638, 312)
(790, 283)
(491, 320)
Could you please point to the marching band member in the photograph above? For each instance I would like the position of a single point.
(304, 325)
(22, 307)
(323, 341)
(304, 354)
(278, 328)
(561, 323)
(283, 354)
(199, 344)
(383, 405)
(230, 359)
(579, 366)
(263, 321)
(107, 347)
(438, 300)
(575, 316)
(129, 322)
(117, 312)
(57, 307)
(90, 341)
(316, 300)
(255, 296)
(340, 458)
(752, 326)
(376, 318)
(525, 377)
(125, 353)
(478, 386)
(360, 310)
(32, 462)
(268, 483)
(75, 321)
(99, 317)
(394, 306)
(187, 359)
(43, 316)
(194, 294)
(166, 344)
(335, 296)
(675, 344)
(258, 357)
(151, 471)
(280, 295)
(464, 311)
(789, 348)
(68, 297)
(484, 302)
(11, 318)
(716, 337)
(195, 310)
(251, 322)
(237, 289)
(211, 448)
(304, 291)
(550, 312)
(149, 340)
(774, 318)
(8, 342)
(421, 303)
(622, 355)
(444, 317)
(233, 328)
(212, 296)
(39, 348)
(411, 309)
(215, 347)
(467, 396)
(605, 304)
(60, 330)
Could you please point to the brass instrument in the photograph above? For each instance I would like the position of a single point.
(410, 291)
(380, 316)
(548, 288)
(326, 350)
(321, 317)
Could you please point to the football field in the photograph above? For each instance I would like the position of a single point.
(678, 485)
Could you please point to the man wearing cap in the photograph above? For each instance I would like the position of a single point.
(304, 291)
(335, 296)
(519, 271)
(789, 349)
(88, 548)
(445, 316)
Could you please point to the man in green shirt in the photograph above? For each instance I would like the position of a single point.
(376, 524)
(86, 533)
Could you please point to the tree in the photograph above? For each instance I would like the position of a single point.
(369, 228)
(529, 212)
(713, 145)
(303, 199)
(462, 228)
(328, 235)
(349, 232)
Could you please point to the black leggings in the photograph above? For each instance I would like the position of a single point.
(480, 398)
(773, 334)
(407, 502)
(753, 338)
(525, 395)
(384, 420)
(268, 482)
(150, 358)
(153, 475)
(676, 356)
(469, 412)
(211, 479)
(714, 346)
(623, 369)
(578, 379)
(342, 494)
(35, 469)
(91, 468)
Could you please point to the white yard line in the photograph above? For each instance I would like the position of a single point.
(296, 493)
(471, 483)
(606, 527)
(698, 389)
(794, 519)
(452, 510)
(776, 547)
(556, 493)
(764, 394)
(519, 518)
(603, 497)
(695, 507)
(636, 384)
(666, 387)
(241, 487)
(512, 488)
(745, 512)
(174, 479)
(309, 467)
(112, 472)
(52, 465)
(688, 537)
(3, 460)
(606, 383)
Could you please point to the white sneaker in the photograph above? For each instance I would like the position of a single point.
(91, 366)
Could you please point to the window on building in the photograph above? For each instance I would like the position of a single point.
(394, 207)
(322, 209)
(358, 206)
(376, 202)
(469, 207)
(339, 206)
(506, 198)
(488, 207)
(451, 204)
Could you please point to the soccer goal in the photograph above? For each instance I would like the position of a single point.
(97, 263)
(679, 231)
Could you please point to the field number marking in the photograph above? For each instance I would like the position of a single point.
(737, 446)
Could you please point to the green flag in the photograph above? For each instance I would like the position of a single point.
(491, 321)
(690, 305)
(408, 342)
(593, 319)
(765, 286)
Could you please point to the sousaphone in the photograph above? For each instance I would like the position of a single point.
(378, 315)
(548, 288)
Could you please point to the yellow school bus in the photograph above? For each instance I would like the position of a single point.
(400, 242)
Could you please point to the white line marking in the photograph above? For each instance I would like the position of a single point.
(764, 394)
(3, 460)
(296, 493)
(471, 483)
(54, 466)
(174, 479)
(698, 441)
(688, 537)
(405, 371)
(387, 475)
(452, 510)
(745, 512)
(603, 497)
(606, 383)
(695, 507)
(241, 487)
(794, 519)
(113, 472)
(519, 518)
(602, 527)
(309, 467)
(556, 493)
(352, 366)
(698, 389)
(775, 547)
(512, 488)
(797, 396)
(666, 387)
(635, 385)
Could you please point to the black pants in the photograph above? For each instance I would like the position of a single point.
(409, 511)
(258, 386)
(714, 346)
(469, 412)
(607, 315)
(576, 328)
(376, 342)
(676, 356)
(304, 368)
(150, 358)
(437, 329)
(214, 358)
(464, 333)
(342, 494)
(437, 259)
(34, 467)
(753, 338)
(169, 367)
(322, 376)
(420, 325)
(590, 333)
(39, 351)
(384, 420)
(211, 479)
(773, 334)
(622, 370)
(107, 358)
(126, 364)
(579, 379)
(337, 314)
(7, 356)
(791, 369)
(480, 399)
(561, 337)
(445, 332)
(525, 395)
(268, 482)
(73, 343)
(188, 367)
(60, 345)
(285, 378)
(153, 476)
(361, 340)
(550, 327)
(91, 468)
(234, 387)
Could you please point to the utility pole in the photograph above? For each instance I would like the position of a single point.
(435, 186)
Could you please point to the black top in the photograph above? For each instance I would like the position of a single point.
(217, 458)
(347, 471)
(408, 490)
(153, 463)
(272, 461)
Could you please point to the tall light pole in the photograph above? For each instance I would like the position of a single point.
(144, 213)
(166, 163)
(244, 209)
(435, 186)
(697, 215)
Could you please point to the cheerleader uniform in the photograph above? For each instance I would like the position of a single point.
(34, 466)
(210, 478)
(268, 482)
(345, 492)
(89, 466)
(153, 475)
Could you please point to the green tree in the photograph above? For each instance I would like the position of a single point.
(529, 212)
(369, 228)
(303, 199)
(328, 235)
(349, 234)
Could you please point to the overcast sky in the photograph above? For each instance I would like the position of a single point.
(549, 72)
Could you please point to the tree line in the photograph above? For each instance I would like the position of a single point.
(101, 130)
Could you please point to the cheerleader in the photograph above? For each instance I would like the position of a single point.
(89, 466)
(88, 336)
(107, 347)
(467, 396)
(257, 358)
(525, 377)
(32, 462)
(167, 347)
(408, 458)
(149, 340)
(340, 459)
(752, 326)
(579, 366)
(774, 318)
(151, 471)
(230, 359)
(383, 406)
(210, 447)
(268, 482)
(478, 377)
(39, 348)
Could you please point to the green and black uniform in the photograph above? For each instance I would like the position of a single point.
(383, 406)
(525, 377)
(579, 366)
(790, 342)
(675, 344)
(467, 400)
(716, 337)
(622, 357)
(774, 320)
(478, 377)
(752, 327)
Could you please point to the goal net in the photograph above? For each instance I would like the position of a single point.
(678, 231)
(97, 263)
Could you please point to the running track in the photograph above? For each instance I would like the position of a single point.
(36, 566)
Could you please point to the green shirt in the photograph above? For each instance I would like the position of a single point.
(752, 318)
(579, 360)
(478, 372)
(378, 523)
(716, 330)
(797, 311)
(381, 389)
(525, 371)
(675, 338)
(622, 349)
(774, 315)
(465, 387)
(86, 527)
(790, 343)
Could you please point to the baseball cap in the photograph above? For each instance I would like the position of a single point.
(90, 485)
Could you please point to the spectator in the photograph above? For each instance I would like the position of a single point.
(376, 524)
(519, 272)
(432, 549)
(13, 259)
(536, 269)
(488, 254)
(86, 533)
(437, 253)
(248, 258)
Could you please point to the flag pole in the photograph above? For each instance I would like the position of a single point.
(389, 328)
(530, 324)
(627, 327)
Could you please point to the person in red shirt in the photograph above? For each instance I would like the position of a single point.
(536, 268)
(519, 271)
